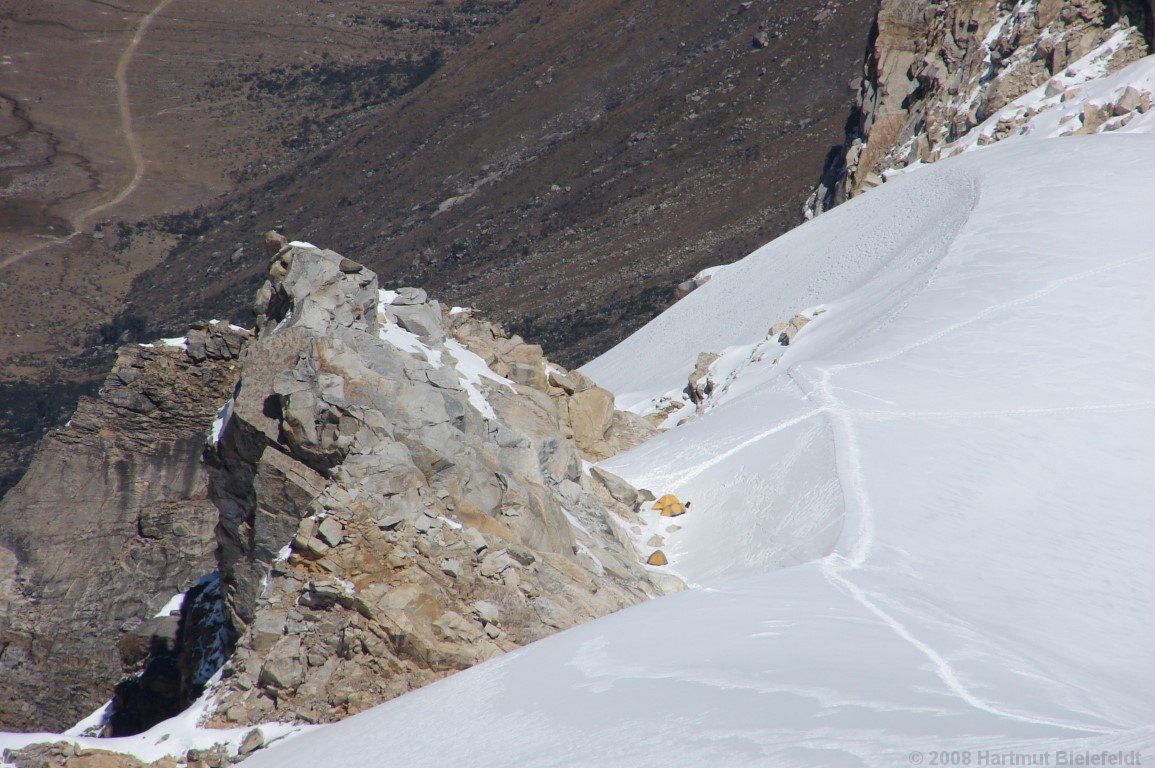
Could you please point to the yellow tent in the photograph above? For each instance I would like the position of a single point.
(657, 558)
(670, 506)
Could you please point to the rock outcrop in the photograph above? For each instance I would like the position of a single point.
(935, 70)
(67, 754)
(687, 287)
(390, 491)
(700, 386)
(786, 331)
(585, 411)
(112, 518)
(402, 495)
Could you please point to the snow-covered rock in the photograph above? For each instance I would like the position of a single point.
(369, 435)
(936, 71)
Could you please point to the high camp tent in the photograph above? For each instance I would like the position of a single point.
(670, 506)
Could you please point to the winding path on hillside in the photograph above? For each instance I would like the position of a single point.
(132, 141)
(124, 106)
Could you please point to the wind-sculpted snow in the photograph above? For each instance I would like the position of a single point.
(805, 267)
(953, 456)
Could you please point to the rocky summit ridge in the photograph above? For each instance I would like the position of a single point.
(393, 507)
(371, 491)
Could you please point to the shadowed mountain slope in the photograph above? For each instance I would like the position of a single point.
(565, 171)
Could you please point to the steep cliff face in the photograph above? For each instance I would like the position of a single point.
(935, 70)
(111, 520)
(394, 505)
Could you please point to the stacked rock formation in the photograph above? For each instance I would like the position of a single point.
(402, 495)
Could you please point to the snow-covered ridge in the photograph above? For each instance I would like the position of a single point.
(921, 528)
(951, 456)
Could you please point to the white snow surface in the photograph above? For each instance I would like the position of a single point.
(232, 326)
(177, 341)
(173, 605)
(407, 341)
(219, 421)
(471, 369)
(954, 458)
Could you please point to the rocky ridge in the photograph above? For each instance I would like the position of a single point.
(390, 490)
(402, 495)
(111, 520)
(935, 71)
(69, 754)
(220, 94)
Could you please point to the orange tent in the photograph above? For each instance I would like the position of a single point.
(670, 506)
(657, 558)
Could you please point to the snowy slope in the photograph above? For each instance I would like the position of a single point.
(955, 453)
